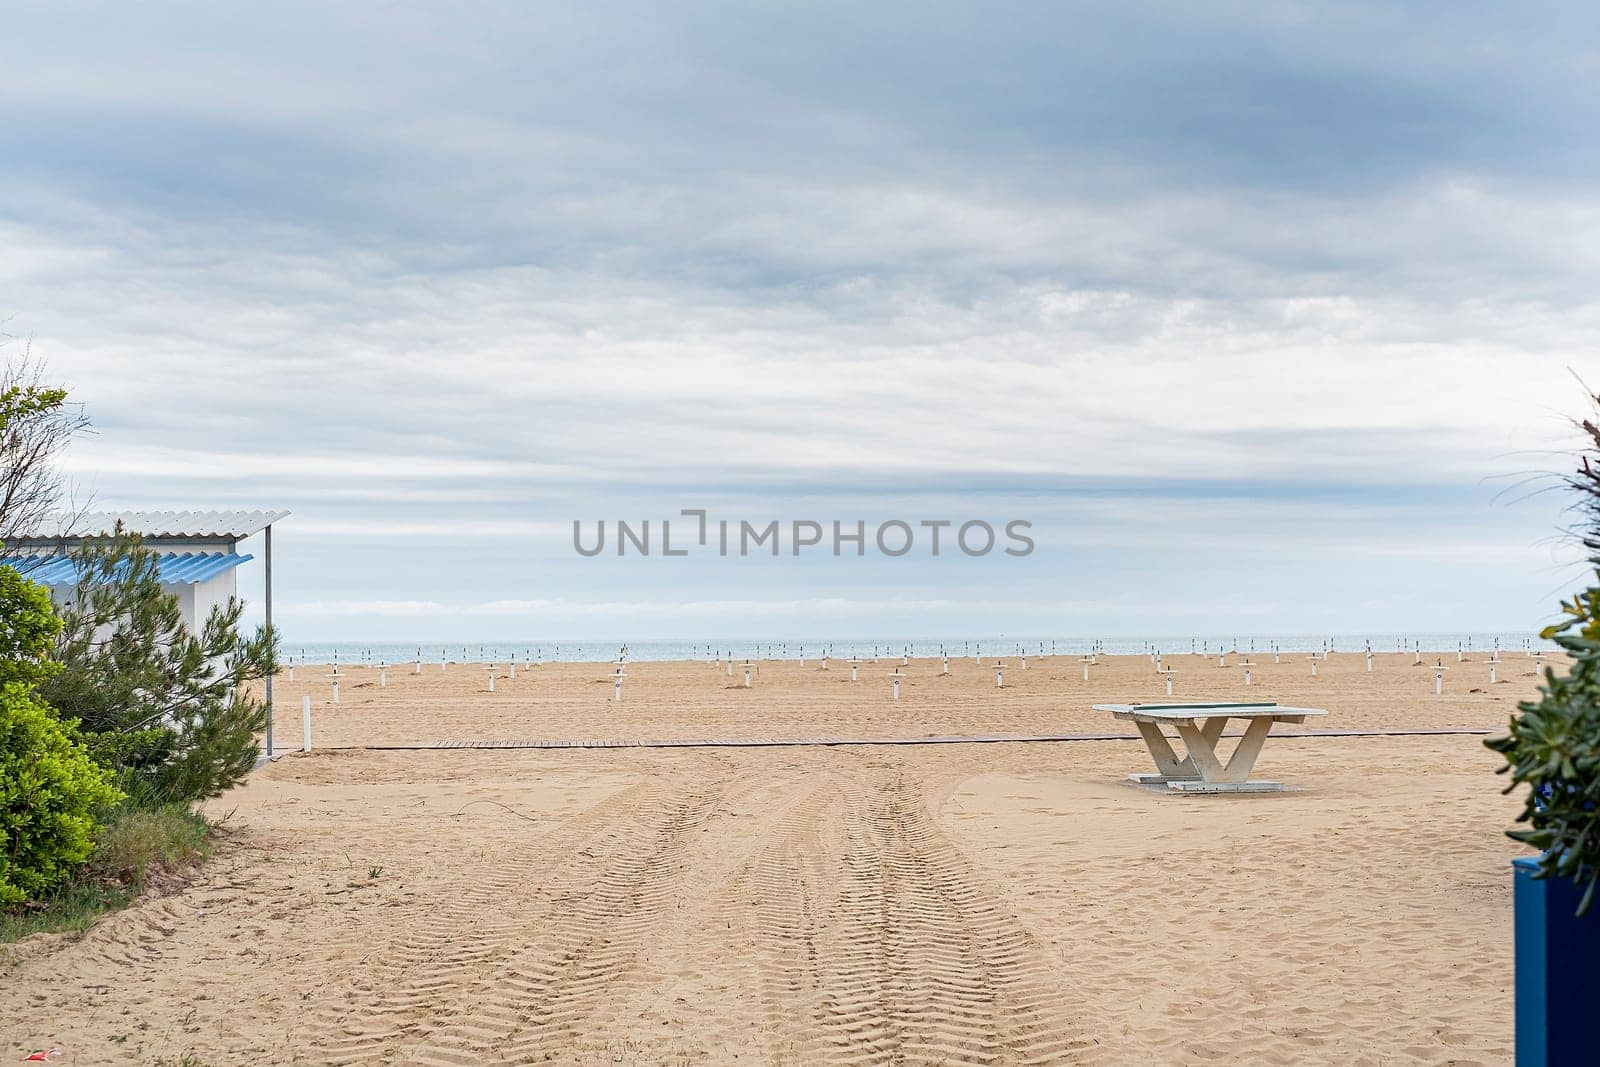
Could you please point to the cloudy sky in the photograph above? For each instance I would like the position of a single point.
(1256, 315)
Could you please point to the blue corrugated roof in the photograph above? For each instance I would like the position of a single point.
(175, 567)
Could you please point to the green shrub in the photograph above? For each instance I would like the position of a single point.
(1554, 747)
(28, 629)
(49, 792)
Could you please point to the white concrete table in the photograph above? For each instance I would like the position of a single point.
(1200, 727)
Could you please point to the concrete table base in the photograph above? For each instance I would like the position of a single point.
(1197, 785)
(1253, 786)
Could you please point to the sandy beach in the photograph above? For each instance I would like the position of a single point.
(564, 349)
(955, 903)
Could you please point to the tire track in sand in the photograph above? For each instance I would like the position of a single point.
(529, 942)
(874, 941)
(583, 954)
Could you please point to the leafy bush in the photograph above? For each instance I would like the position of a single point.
(49, 787)
(1554, 746)
(50, 791)
(28, 629)
(169, 709)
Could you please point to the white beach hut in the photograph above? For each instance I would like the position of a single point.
(199, 558)
(199, 553)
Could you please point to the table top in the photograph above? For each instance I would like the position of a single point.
(1169, 712)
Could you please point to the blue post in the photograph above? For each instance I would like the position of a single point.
(1557, 982)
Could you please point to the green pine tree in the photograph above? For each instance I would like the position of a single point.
(170, 710)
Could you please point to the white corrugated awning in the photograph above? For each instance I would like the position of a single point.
(231, 525)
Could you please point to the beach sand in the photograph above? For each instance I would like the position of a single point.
(965, 903)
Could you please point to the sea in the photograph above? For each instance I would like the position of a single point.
(547, 651)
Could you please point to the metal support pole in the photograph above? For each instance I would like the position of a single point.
(268, 547)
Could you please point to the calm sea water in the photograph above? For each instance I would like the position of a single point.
(605, 651)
